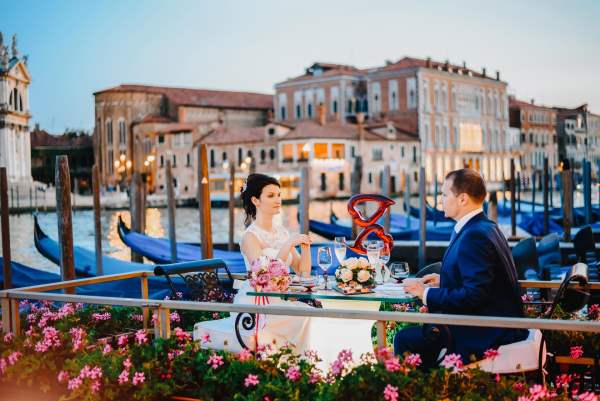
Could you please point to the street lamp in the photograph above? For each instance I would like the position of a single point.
(121, 166)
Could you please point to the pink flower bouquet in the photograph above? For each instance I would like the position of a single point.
(269, 275)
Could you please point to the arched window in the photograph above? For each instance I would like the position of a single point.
(122, 133)
(212, 158)
(11, 102)
(224, 156)
(20, 103)
(272, 154)
(263, 155)
(239, 156)
(16, 99)
(109, 133)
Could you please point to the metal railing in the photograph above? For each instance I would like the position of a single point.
(11, 323)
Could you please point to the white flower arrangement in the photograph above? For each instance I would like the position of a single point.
(355, 275)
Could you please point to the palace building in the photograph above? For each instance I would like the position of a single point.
(459, 115)
(15, 153)
(139, 127)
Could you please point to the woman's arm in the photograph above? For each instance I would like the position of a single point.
(251, 247)
(301, 263)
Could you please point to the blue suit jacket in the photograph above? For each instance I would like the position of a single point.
(478, 277)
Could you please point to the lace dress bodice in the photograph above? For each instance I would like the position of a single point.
(271, 242)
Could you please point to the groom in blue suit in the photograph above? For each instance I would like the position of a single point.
(478, 277)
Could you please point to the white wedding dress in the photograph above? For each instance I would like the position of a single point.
(326, 336)
(272, 329)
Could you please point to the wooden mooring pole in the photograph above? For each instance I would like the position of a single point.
(230, 244)
(204, 203)
(407, 178)
(97, 225)
(567, 203)
(137, 207)
(304, 199)
(546, 194)
(513, 205)
(65, 219)
(386, 190)
(6, 258)
(423, 221)
(171, 212)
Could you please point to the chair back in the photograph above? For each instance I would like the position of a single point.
(200, 278)
(548, 250)
(432, 268)
(572, 298)
(583, 242)
(526, 258)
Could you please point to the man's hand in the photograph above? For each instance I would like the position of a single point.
(431, 280)
(415, 287)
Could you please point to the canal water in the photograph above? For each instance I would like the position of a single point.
(187, 227)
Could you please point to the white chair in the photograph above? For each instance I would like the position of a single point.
(222, 335)
(522, 356)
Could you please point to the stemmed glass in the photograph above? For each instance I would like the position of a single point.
(399, 270)
(384, 257)
(324, 261)
(339, 245)
(373, 254)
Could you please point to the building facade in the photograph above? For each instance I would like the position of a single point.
(459, 115)
(329, 148)
(15, 153)
(138, 127)
(537, 136)
(578, 133)
(77, 146)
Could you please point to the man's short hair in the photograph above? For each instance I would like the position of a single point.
(468, 181)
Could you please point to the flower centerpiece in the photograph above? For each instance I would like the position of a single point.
(355, 275)
(269, 275)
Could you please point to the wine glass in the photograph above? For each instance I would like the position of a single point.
(384, 257)
(373, 254)
(324, 261)
(339, 245)
(399, 270)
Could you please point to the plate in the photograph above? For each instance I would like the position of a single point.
(354, 292)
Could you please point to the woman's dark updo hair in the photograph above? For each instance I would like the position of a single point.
(253, 188)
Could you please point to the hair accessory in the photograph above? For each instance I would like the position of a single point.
(244, 186)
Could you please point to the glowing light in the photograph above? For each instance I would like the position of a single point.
(248, 160)
(122, 157)
(151, 158)
(128, 164)
(243, 166)
(146, 163)
(117, 163)
(225, 165)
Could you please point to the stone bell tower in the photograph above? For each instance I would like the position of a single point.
(15, 148)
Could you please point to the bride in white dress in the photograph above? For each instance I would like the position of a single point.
(261, 198)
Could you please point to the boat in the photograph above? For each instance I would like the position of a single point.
(158, 250)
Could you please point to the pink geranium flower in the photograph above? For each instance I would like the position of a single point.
(244, 355)
(63, 376)
(392, 364)
(141, 337)
(293, 373)
(124, 376)
(138, 378)
(491, 354)
(452, 361)
(251, 380)
(413, 360)
(587, 396)
(122, 340)
(390, 393)
(576, 351)
(215, 361)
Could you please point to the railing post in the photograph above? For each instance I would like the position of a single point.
(4, 220)
(381, 334)
(145, 311)
(6, 320)
(97, 225)
(171, 212)
(14, 317)
(65, 220)
(162, 328)
(204, 203)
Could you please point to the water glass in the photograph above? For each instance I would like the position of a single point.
(399, 270)
(324, 261)
(339, 245)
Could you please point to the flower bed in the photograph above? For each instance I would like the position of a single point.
(75, 352)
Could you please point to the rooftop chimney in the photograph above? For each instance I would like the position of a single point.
(497, 75)
(464, 64)
(428, 62)
(532, 101)
(447, 65)
(483, 72)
